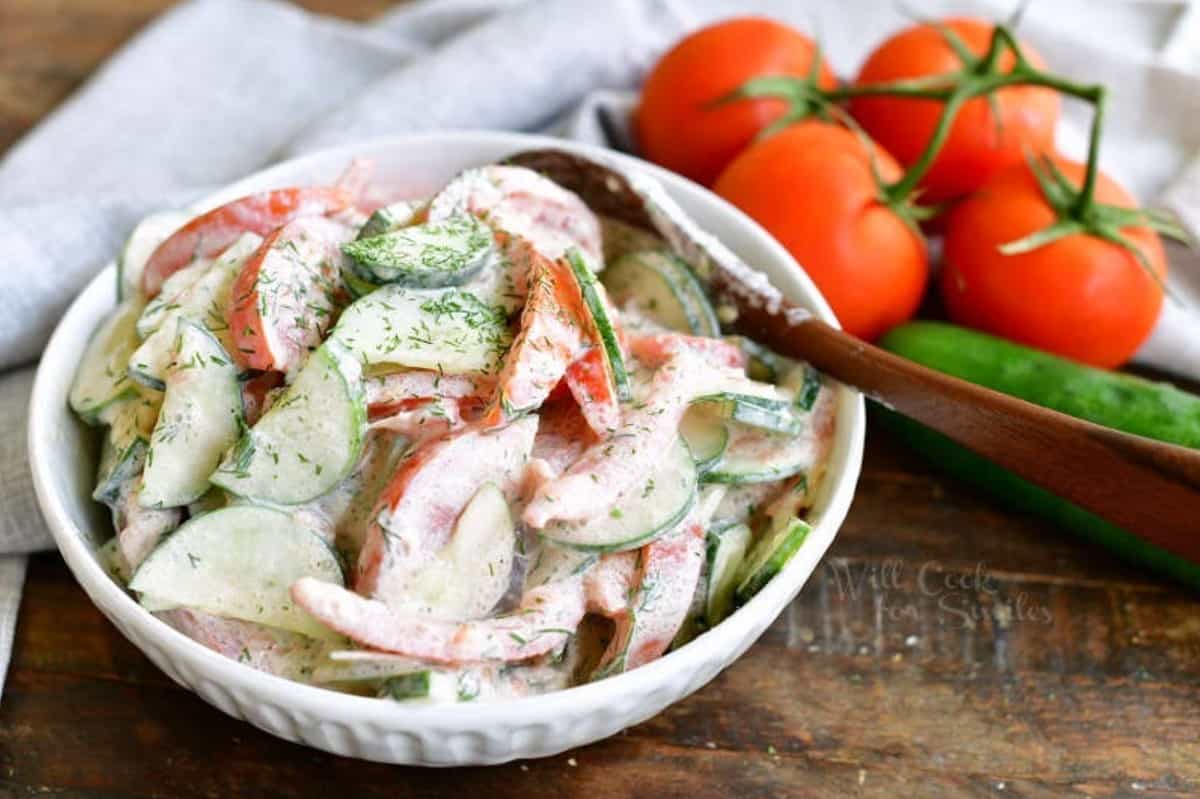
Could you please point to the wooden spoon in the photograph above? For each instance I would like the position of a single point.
(1147, 487)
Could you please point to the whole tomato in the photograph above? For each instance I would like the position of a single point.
(979, 144)
(811, 186)
(1080, 296)
(676, 124)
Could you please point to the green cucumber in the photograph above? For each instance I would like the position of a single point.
(102, 378)
(640, 514)
(805, 382)
(663, 288)
(433, 255)
(770, 554)
(239, 562)
(762, 364)
(614, 362)
(726, 550)
(391, 217)
(141, 244)
(447, 330)
(201, 417)
(310, 438)
(758, 456)
(706, 437)
(204, 302)
(1120, 401)
(762, 412)
(130, 423)
(157, 309)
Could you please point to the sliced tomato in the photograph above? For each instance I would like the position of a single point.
(610, 584)
(655, 349)
(416, 512)
(546, 619)
(285, 297)
(551, 337)
(209, 234)
(668, 570)
(589, 383)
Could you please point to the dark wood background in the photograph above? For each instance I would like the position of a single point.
(945, 647)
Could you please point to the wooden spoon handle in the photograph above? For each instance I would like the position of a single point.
(1147, 487)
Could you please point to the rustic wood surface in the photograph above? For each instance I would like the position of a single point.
(945, 647)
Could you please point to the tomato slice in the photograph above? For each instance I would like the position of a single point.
(285, 297)
(210, 233)
(591, 387)
(551, 338)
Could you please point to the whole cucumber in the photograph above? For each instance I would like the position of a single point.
(1120, 401)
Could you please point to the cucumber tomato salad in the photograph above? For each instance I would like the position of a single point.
(483, 444)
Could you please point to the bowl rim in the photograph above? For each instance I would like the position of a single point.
(328, 704)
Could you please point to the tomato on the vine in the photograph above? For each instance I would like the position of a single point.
(677, 123)
(813, 188)
(1078, 296)
(980, 144)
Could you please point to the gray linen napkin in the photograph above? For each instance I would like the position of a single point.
(215, 89)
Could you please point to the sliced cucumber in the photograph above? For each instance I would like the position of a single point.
(124, 455)
(726, 552)
(356, 285)
(433, 255)
(239, 562)
(614, 362)
(757, 456)
(203, 302)
(200, 419)
(762, 412)
(172, 289)
(310, 438)
(102, 378)
(805, 382)
(447, 330)
(769, 556)
(639, 514)
(706, 437)
(433, 685)
(141, 244)
(554, 563)
(471, 573)
(663, 288)
(763, 365)
(392, 217)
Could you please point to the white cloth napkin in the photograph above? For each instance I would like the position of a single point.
(215, 89)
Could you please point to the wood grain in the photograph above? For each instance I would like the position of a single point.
(945, 648)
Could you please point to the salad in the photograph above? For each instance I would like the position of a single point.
(484, 444)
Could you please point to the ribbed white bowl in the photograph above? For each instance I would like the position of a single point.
(63, 458)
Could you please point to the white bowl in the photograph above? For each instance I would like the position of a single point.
(63, 457)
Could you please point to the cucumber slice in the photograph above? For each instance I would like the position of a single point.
(102, 378)
(757, 456)
(392, 217)
(356, 285)
(662, 287)
(200, 419)
(471, 573)
(142, 242)
(124, 455)
(433, 255)
(726, 552)
(447, 330)
(763, 365)
(554, 563)
(173, 288)
(614, 362)
(769, 556)
(805, 382)
(762, 412)
(239, 562)
(310, 438)
(428, 685)
(203, 302)
(706, 437)
(639, 514)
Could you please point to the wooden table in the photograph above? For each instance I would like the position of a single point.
(944, 648)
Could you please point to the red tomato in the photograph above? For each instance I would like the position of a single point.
(811, 187)
(675, 122)
(977, 146)
(1080, 297)
(210, 233)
